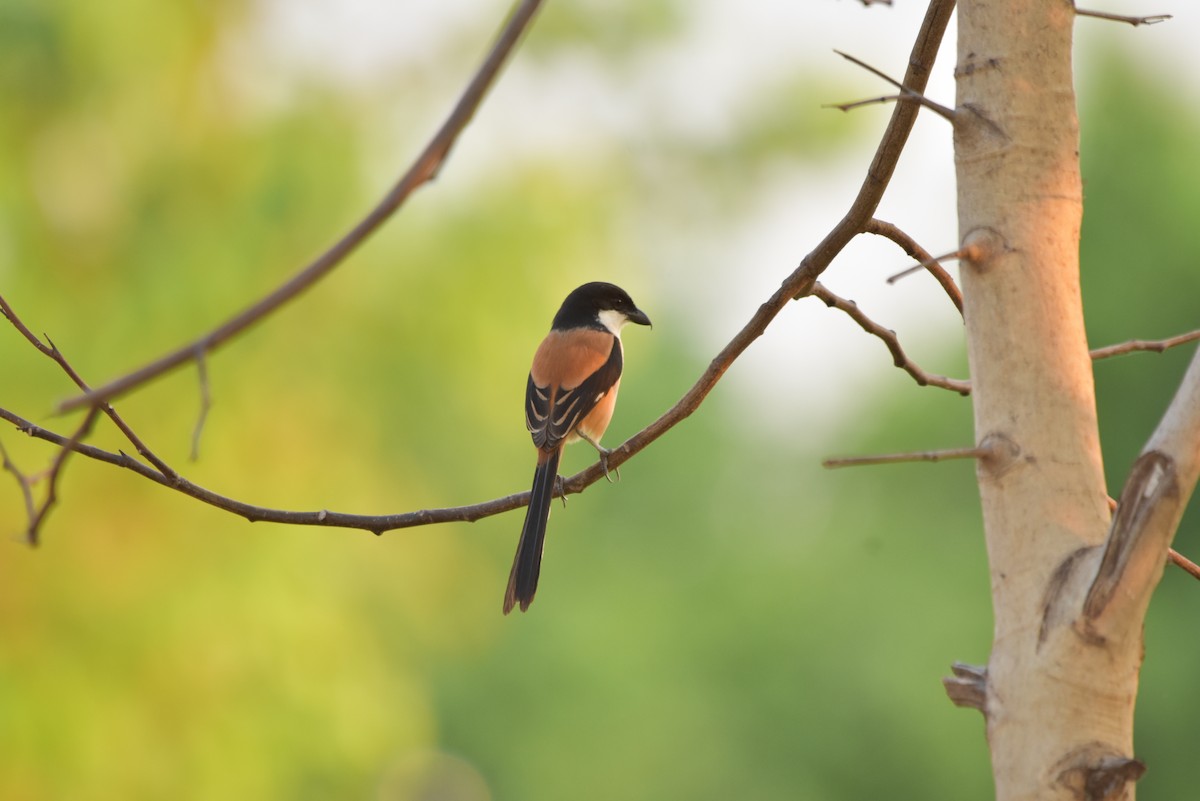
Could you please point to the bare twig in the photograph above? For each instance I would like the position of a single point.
(850, 105)
(879, 174)
(980, 452)
(1182, 561)
(899, 357)
(1153, 19)
(51, 351)
(802, 280)
(923, 265)
(906, 93)
(423, 170)
(926, 261)
(1155, 345)
(798, 284)
(374, 523)
(205, 403)
(23, 481)
(32, 533)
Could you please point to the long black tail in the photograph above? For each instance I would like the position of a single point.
(522, 581)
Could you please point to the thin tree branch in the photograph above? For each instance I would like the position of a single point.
(205, 403)
(979, 452)
(850, 105)
(1155, 345)
(32, 533)
(906, 93)
(423, 170)
(930, 263)
(23, 481)
(920, 64)
(1180, 560)
(801, 281)
(373, 523)
(51, 351)
(798, 284)
(1153, 19)
(899, 357)
(923, 265)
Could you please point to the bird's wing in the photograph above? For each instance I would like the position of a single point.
(572, 371)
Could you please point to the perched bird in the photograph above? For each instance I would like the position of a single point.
(570, 396)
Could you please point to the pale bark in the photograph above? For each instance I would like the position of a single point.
(1058, 701)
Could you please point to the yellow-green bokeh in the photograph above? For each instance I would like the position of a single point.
(728, 621)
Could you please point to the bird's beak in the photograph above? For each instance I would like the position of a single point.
(638, 316)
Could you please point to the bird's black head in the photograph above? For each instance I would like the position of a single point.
(599, 305)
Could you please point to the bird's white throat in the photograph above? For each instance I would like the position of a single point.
(613, 320)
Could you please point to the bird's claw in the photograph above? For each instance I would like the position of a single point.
(604, 452)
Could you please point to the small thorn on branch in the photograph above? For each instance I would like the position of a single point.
(979, 452)
(905, 93)
(1152, 19)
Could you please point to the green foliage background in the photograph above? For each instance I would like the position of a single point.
(729, 621)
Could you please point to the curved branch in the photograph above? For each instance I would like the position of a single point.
(899, 357)
(23, 481)
(33, 530)
(798, 284)
(802, 280)
(423, 170)
(377, 524)
(51, 351)
(931, 263)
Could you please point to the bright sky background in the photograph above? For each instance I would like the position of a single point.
(695, 86)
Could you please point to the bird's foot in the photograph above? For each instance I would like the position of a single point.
(604, 453)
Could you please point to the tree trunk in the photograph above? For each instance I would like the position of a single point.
(1059, 695)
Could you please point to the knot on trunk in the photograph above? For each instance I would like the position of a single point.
(1096, 773)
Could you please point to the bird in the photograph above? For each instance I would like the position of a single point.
(570, 395)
